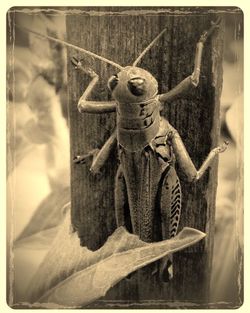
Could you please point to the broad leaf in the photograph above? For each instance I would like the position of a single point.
(72, 276)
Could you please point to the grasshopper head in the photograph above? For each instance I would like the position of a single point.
(133, 85)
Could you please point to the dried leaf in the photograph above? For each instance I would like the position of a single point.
(76, 276)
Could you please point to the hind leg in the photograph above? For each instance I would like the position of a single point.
(170, 204)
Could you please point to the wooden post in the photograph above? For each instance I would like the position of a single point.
(120, 34)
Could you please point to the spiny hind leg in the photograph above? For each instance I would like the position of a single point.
(170, 204)
(185, 161)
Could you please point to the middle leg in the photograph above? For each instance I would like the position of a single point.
(99, 156)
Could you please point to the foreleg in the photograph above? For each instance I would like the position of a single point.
(191, 81)
(85, 105)
(99, 156)
(185, 161)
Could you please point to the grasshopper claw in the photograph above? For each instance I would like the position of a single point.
(221, 148)
(79, 159)
(82, 159)
(206, 34)
(217, 22)
(75, 62)
(80, 66)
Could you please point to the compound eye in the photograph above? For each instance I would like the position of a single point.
(112, 82)
(136, 86)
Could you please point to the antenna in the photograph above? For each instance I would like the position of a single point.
(62, 42)
(148, 47)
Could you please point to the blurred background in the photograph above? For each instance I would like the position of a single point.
(38, 178)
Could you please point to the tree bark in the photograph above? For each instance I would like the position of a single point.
(120, 34)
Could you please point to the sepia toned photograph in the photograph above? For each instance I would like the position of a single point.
(125, 157)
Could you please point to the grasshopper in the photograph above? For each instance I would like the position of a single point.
(148, 146)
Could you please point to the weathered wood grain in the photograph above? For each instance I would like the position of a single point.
(121, 37)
